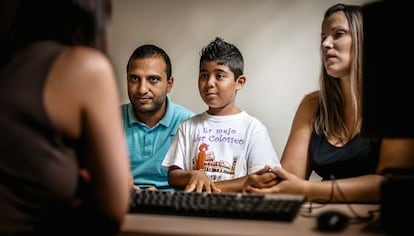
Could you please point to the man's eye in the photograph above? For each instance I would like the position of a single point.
(133, 78)
(154, 79)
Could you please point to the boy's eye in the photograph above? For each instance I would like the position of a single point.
(220, 76)
(203, 76)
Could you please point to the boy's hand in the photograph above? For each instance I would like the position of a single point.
(199, 182)
(263, 178)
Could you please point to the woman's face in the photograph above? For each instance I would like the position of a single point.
(336, 44)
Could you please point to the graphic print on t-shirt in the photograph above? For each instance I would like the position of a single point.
(215, 169)
(201, 157)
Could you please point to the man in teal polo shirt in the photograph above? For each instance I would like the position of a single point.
(151, 119)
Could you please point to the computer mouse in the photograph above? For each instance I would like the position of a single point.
(332, 220)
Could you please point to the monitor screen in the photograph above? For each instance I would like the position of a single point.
(388, 70)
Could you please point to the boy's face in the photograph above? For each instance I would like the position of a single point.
(218, 87)
(148, 84)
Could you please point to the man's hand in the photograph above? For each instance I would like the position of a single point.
(131, 183)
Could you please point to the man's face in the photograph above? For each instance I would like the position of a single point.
(148, 84)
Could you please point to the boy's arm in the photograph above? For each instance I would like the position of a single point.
(232, 185)
(196, 180)
(177, 177)
(260, 179)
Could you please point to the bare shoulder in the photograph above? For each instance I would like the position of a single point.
(84, 53)
(310, 101)
(311, 97)
(79, 73)
(85, 63)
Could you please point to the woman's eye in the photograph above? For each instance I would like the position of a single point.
(340, 34)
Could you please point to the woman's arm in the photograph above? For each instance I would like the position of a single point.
(295, 157)
(82, 100)
(396, 153)
(102, 122)
(358, 189)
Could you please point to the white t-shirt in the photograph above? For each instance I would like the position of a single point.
(225, 147)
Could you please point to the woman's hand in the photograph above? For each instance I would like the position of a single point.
(84, 180)
(286, 183)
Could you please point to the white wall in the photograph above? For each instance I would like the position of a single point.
(279, 40)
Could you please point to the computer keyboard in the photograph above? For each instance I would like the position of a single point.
(277, 207)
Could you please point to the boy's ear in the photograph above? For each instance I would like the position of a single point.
(241, 81)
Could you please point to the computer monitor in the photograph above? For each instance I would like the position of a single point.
(388, 70)
(388, 100)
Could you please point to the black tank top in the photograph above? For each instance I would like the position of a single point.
(357, 157)
(39, 168)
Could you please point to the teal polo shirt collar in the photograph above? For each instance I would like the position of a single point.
(165, 121)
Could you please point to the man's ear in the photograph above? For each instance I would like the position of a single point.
(170, 83)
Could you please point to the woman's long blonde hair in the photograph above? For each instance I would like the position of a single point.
(330, 117)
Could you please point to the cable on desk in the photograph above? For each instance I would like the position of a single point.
(357, 217)
(306, 210)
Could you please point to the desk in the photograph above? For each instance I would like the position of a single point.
(148, 224)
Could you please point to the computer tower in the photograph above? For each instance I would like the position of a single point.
(397, 202)
(388, 101)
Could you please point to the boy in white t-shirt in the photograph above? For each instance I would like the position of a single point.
(215, 150)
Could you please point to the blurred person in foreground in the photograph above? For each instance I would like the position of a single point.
(64, 163)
